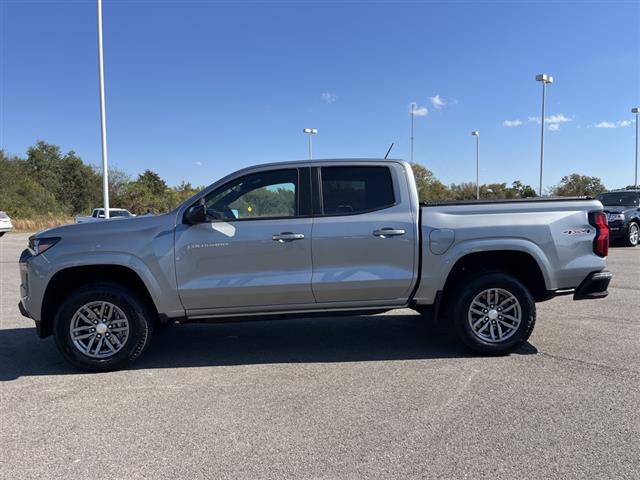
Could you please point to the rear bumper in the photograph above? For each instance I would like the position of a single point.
(594, 286)
(619, 230)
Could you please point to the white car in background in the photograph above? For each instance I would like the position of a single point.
(98, 214)
(5, 223)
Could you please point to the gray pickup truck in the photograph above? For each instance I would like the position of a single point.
(325, 237)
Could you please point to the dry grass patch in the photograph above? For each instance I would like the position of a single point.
(36, 224)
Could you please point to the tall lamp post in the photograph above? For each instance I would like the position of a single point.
(636, 110)
(545, 79)
(103, 118)
(309, 132)
(413, 107)
(476, 134)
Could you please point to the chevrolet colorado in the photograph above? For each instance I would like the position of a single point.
(326, 236)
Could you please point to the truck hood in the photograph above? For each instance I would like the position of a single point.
(621, 209)
(115, 226)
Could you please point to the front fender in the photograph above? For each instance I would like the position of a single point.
(158, 277)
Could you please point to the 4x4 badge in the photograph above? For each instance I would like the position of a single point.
(578, 231)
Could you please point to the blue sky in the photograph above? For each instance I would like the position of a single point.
(198, 89)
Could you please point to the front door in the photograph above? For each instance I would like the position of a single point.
(255, 248)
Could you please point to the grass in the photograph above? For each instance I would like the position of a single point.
(38, 223)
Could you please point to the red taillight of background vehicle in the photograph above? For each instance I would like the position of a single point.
(601, 242)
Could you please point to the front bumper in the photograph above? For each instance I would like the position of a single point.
(594, 286)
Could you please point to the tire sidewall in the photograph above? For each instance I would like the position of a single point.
(128, 302)
(479, 283)
(631, 224)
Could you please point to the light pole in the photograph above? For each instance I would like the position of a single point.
(310, 131)
(413, 107)
(636, 110)
(103, 118)
(476, 134)
(544, 78)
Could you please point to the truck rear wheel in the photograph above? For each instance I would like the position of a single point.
(102, 327)
(494, 313)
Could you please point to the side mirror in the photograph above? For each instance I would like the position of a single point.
(196, 214)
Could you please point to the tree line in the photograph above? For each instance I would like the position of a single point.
(431, 189)
(50, 182)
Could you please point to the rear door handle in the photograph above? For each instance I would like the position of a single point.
(388, 232)
(287, 237)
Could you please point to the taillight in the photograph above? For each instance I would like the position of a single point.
(601, 242)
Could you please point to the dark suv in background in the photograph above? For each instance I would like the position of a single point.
(623, 212)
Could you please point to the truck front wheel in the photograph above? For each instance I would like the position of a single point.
(102, 327)
(633, 235)
(494, 313)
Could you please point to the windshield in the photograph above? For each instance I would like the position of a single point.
(629, 199)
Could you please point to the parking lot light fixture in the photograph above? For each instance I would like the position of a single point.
(476, 134)
(310, 132)
(544, 79)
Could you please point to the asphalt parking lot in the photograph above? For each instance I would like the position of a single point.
(364, 397)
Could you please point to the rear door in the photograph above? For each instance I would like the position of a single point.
(364, 237)
(256, 251)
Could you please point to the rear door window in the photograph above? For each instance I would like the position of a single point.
(351, 190)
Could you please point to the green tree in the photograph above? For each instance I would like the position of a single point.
(464, 191)
(578, 185)
(20, 194)
(71, 181)
(430, 189)
(523, 191)
(149, 192)
(185, 190)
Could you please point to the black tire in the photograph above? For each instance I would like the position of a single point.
(467, 291)
(628, 242)
(129, 302)
(2, 233)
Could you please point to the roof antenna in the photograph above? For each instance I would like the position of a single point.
(390, 147)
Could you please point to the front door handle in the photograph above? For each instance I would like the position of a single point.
(287, 237)
(388, 232)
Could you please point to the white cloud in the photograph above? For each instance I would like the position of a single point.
(553, 121)
(618, 124)
(199, 163)
(329, 97)
(437, 101)
(418, 111)
(512, 123)
(559, 118)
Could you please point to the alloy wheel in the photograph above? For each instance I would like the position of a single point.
(494, 315)
(99, 329)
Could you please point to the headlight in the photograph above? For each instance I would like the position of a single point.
(41, 245)
(614, 217)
